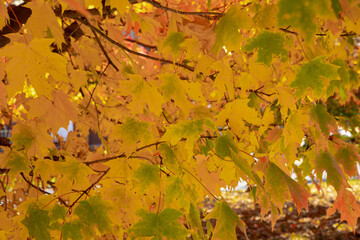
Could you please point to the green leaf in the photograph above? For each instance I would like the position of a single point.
(335, 5)
(228, 32)
(224, 145)
(147, 174)
(326, 122)
(226, 222)
(93, 212)
(17, 162)
(132, 131)
(343, 73)
(326, 162)
(268, 44)
(277, 181)
(195, 221)
(348, 157)
(174, 40)
(169, 154)
(22, 136)
(191, 130)
(72, 230)
(173, 88)
(164, 224)
(310, 76)
(37, 222)
(301, 15)
(57, 212)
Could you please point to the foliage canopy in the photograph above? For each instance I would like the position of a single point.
(186, 97)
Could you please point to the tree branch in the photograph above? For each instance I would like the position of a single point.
(86, 191)
(41, 190)
(141, 43)
(162, 60)
(103, 50)
(158, 5)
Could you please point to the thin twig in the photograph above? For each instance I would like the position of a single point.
(17, 21)
(162, 60)
(86, 191)
(141, 43)
(217, 199)
(41, 190)
(158, 5)
(215, 152)
(103, 50)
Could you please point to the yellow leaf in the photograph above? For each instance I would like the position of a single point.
(43, 68)
(131, 132)
(143, 93)
(43, 22)
(172, 88)
(56, 113)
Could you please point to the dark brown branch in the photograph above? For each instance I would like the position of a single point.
(41, 190)
(105, 159)
(288, 31)
(162, 60)
(141, 43)
(158, 5)
(86, 191)
(103, 50)
(123, 155)
(4, 141)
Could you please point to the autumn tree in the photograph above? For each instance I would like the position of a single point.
(186, 97)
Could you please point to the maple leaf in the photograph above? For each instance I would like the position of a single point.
(224, 145)
(4, 16)
(18, 162)
(33, 138)
(147, 174)
(237, 113)
(348, 157)
(347, 205)
(143, 95)
(72, 230)
(120, 5)
(226, 223)
(131, 132)
(172, 43)
(154, 79)
(93, 212)
(61, 108)
(43, 67)
(266, 17)
(191, 130)
(309, 76)
(195, 221)
(278, 181)
(43, 22)
(325, 161)
(268, 44)
(172, 88)
(163, 224)
(326, 122)
(301, 15)
(228, 32)
(75, 173)
(37, 222)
